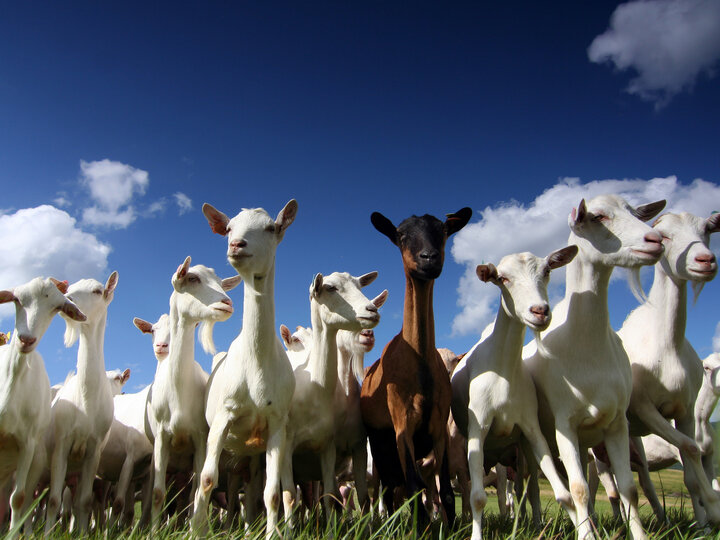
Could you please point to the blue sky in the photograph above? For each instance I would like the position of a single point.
(118, 120)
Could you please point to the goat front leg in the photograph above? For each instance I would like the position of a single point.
(695, 479)
(19, 495)
(569, 450)
(58, 469)
(331, 493)
(477, 431)
(82, 503)
(122, 488)
(646, 482)
(278, 466)
(161, 455)
(617, 443)
(209, 475)
(359, 467)
(200, 450)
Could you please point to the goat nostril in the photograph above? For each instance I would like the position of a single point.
(653, 237)
(27, 340)
(540, 310)
(227, 301)
(239, 243)
(706, 258)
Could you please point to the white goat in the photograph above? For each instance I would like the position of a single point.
(494, 402)
(82, 410)
(582, 373)
(667, 372)
(175, 406)
(336, 303)
(25, 388)
(248, 396)
(160, 332)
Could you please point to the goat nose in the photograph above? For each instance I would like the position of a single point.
(238, 243)
(705, 258)
(371, 307)
(653, 237)
(227, 301)
(540, 310)
(26, 340)
(429, 255)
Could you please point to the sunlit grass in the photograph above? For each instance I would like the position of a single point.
(356, 526)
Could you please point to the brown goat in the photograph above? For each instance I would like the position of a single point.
(405, 396)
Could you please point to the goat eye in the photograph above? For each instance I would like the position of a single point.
(330, 288)
(97, 291)
(193, 279)
(599, 217)
(270, 228)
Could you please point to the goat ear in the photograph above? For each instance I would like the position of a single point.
(367, 279)
(286, 216)
(6, 296)
(183, 268)
(72, 311)
(230, 283)
(385, 226)
(285, 334)
(561, 257)
(379, 300)
(486, 272)
(712, 225)
(578, 214)
(217, 220)
(62, 286)
(125, 376)
(110, 285)
(142, 325)
(648, 211)
(317, 284)
(458, 220)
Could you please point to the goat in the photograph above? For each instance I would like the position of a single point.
(580, 349)
(336, 303)
(175, 409)
(249, 392)
(160, 332)
(25, 388)
(666, 371)
(405, 396)
(82, 410)
(494, 402)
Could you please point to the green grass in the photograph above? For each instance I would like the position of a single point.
(354, 526)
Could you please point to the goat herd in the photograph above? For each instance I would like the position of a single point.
(270, 417)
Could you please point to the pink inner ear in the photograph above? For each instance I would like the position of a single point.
(573, 214)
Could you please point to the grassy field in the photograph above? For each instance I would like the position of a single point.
(353, 526)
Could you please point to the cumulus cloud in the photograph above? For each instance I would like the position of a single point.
(46, 241)
(669, 43)
(541, 227)
(112, 187)
(183, 201)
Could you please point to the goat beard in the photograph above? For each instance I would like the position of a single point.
(206, 337)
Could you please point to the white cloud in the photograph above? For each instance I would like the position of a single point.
(183, 201)
(669, 43)
(716, 339)
(112, 187)
(157, 207)
(541, 227)
(46, 241)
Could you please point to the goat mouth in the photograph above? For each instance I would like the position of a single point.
(649, 252)
(374, 320)
(709, 272)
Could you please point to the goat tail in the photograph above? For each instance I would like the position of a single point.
(635, 284)
(206, 337)
(72, 332)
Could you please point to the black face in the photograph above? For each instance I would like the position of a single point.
(422, 243)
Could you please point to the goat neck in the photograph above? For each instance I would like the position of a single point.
(505, 343)
(258, 322)
(668, 302)
(323, 361)
(91, 356)
(418, 319)
(181, 354)
(586, 292)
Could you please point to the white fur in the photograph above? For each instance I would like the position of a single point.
(249, 393)
(494, 402)
(82, 410)
(25, 389)
(667, 372)
(583, 376)
(175, 409)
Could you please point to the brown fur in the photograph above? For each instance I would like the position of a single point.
(405, 396)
